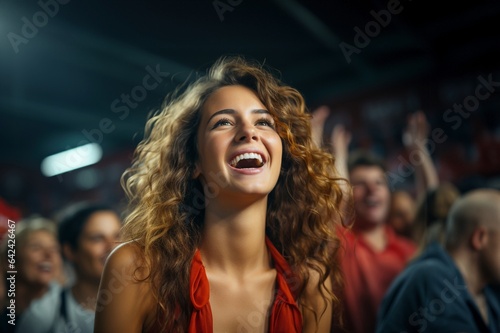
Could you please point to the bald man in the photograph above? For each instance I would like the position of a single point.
(447, 289)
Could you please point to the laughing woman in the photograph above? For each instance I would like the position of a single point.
(230, 223)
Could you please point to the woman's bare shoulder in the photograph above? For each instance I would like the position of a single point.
(128, 258)
(125, 301)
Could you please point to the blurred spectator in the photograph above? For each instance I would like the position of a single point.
(432, 213)
(402, 213)
(87, 234)
(447, 288)
(374, 254)
(38, 265)
(434, 199)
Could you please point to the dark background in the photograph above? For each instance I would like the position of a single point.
(61, 81)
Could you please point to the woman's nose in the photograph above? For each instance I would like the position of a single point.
(246, 133)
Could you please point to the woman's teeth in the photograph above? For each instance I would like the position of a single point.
(45, 266)
(247, 160)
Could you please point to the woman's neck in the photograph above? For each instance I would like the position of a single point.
(233, 239)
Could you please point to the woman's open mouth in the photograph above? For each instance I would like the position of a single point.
(247, 161)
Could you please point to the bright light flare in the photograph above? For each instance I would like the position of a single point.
(71, 159)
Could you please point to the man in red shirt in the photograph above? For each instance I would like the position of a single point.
(373, 254)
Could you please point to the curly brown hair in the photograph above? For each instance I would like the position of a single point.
(167, 203)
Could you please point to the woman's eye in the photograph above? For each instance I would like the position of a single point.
(265, 122)
(93, 237)
(222, 122)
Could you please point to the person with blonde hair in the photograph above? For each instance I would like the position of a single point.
(230, 222)
(38, 264)
(87, 233)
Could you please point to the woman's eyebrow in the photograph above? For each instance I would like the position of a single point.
(232, 111)
(260, 111)
(224, 111)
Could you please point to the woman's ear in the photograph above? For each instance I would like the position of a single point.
(197, 171)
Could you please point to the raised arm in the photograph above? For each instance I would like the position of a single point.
(318, 124)
(414, 137)
(340, 140)
(123, 305)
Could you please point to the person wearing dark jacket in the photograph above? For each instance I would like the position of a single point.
(448, 288)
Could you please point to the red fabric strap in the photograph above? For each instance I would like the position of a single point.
(285, 314)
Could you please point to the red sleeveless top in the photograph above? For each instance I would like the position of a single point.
(285, 314)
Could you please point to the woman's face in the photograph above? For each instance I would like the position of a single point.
(240, 151)
(39, 261)
(98, 237)
(402, 213)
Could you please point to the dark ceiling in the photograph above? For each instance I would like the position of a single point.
(62, 79)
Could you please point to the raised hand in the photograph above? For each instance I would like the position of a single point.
(414, 138)
(416, 131)
(340, 140)
(318, 120)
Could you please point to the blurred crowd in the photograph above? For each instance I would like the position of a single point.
(57, 265)
(425, 260)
